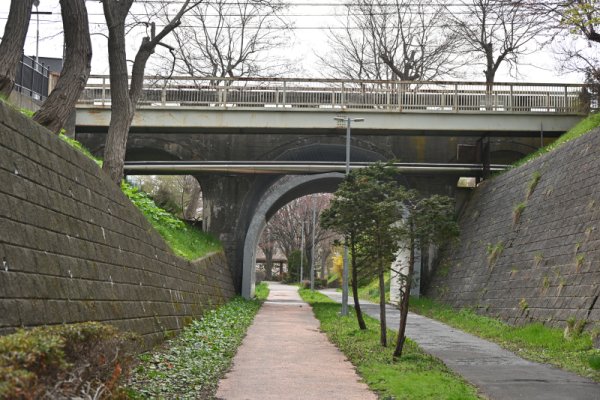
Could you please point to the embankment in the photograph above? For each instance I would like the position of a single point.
(530, 241)
(73, 248)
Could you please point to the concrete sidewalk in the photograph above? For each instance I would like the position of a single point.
(285, 356)
(498, 373)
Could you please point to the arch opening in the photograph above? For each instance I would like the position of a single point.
(280, 193)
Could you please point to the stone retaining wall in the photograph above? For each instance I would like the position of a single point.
(531, 251)
(73, 248)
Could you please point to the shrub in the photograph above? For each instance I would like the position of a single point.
(65, 361)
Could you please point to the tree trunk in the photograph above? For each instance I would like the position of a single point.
(13, 40)
(359, 315)
(269, 263)
(124, 97)
(76, 69)
(404, 302)
(121, 107)
(382, 321)
(192, 207)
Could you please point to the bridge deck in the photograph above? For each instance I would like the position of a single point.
(308, 106)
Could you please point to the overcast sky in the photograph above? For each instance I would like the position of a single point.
(311, 19)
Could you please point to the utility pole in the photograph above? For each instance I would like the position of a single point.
(348, 121)
(312, 249)
(302, 253)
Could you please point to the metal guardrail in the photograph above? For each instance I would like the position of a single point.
(398, 96)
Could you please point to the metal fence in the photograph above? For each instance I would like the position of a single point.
(32, 78)
(396, 96)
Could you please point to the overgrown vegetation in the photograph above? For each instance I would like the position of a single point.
(86, 360)
(184, 239)
(416, 375)
(190, 365)
(532, 341)
(583, 127)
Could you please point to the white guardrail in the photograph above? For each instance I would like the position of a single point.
(277, 93)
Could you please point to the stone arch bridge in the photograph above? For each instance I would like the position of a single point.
(235, 135)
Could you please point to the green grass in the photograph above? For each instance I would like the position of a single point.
(532, 341)
(185, 240)
(261, 291)
(583, 127)
(370, 291)
(416, 375)
(190, 365)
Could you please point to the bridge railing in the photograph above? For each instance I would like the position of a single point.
(276, 93)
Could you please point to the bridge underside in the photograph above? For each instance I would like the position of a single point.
(236, 206)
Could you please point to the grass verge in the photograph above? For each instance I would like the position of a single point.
(583, 127)
(370, 291)
(416, 375)
(535, 341)
(190, 365)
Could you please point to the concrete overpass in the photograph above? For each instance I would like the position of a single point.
(287, 121)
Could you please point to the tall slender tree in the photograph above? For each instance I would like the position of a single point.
(76, 68)
(125, 95)
(365, 210)
(11, 46)
(427, 221)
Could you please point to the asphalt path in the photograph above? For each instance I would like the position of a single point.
(498, 373)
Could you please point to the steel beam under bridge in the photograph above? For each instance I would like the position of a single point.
(293, 168)
(310, 121)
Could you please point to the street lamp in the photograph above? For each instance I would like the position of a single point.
(348, 121)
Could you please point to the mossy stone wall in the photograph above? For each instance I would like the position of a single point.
(73, 248)
(529, 247)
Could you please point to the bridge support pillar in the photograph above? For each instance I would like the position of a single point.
(223, 201)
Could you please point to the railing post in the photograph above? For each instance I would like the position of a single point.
(400, 91)
(163, 95)
(566, 109)
(342, 99)
(456, 97)
(511, 98)
(103, 90)
(388, 97)
(284, 93)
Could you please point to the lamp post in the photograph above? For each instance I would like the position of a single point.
(348, 121)
(312, 249)
(302, 252)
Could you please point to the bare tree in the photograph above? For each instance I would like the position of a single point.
(124, 96)
(11, 46)
(495, 32)
(574, 27)
(268, 247)
(402, 39)
(76, 69)
(286, 226)
(229, 39)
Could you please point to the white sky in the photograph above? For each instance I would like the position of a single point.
(311, 22)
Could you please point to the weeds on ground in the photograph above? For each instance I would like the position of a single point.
(190, 365)
(532, 341)
(416, 375)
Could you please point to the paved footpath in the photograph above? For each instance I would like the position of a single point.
(285, 356)
(498, 373)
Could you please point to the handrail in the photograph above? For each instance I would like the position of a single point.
(348, 94)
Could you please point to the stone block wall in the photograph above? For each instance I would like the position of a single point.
(73, 248)
(529, 246)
